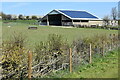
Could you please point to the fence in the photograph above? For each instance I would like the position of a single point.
(81, 53)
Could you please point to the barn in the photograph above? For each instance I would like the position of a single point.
(70, 18)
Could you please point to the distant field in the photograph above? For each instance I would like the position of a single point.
(41, 34)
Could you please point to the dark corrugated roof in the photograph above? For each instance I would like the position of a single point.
(78, 14)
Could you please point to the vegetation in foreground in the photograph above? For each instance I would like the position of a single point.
(52, 55)
(105, 67)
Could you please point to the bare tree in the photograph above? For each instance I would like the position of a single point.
(114, 13)
(106, 20)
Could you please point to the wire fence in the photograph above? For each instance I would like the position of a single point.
(80, 53)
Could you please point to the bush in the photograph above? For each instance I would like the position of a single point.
(14, 56)
(53, 47)
(100, 44)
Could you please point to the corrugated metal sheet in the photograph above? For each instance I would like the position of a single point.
(78, 14)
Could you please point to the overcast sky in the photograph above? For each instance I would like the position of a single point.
(99, 9)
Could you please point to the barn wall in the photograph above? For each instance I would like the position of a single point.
(43, 23)
(81, 23)
(99, 23)
(66, 21)
(65, 18)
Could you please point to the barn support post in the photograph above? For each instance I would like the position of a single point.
(29, 65)
(72, 22)
(70, 60)
(90, 56)
(61, 20)
(47, 21)
(80, 22)
(88, 23)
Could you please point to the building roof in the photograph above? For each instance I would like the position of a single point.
(78, 14)
(75, 14)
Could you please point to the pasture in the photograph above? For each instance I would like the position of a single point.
(41, 34)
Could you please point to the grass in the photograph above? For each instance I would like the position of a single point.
(41, 34)
(105, 67)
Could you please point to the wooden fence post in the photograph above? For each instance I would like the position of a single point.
(29, 65)
(90, 56)
(114, 40)
(103, 48)
(110, 41)
(70, 60)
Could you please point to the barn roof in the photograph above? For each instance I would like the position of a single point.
(75, 14)
(78, 14)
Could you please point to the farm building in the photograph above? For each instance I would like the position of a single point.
(70, 18)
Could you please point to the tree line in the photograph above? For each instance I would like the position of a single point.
(19, 17)
(112, 17)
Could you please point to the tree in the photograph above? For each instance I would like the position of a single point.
(20, 17)
(114, 13)
(3, 15)
(119, 10)
(106, 20)
(119, 22)
(8, 17)
(27, 17)
(34, 17)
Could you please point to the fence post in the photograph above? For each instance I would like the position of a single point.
(113, 40)
(110, 41)
(90, 56)
(70, 60)
(103, 48)
(29, 65)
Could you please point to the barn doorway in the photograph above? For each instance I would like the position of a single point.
(55, 19)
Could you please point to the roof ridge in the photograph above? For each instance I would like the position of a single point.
(70, 10)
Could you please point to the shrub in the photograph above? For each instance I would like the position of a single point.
(54, 46)
(100, 44)
(14, 56)
(18, 39)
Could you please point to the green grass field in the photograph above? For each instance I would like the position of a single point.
(41, 34)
